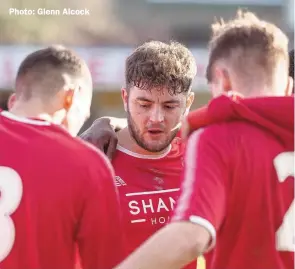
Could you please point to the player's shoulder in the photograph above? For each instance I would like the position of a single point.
(229, 139)
(217, 137)
(43, 136)
(210, 133)
(82, 156)
(84, 153)
(224, 131)
(91, 152)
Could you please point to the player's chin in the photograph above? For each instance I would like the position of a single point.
(156, 146)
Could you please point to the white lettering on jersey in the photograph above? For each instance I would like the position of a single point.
(154, 204)
(134, 209)
(147, 206)
(161, 205)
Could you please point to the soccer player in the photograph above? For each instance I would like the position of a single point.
(149, 157)
(57, 194)
(238, 189)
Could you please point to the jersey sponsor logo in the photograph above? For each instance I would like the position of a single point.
(152, 206)
(119, 181)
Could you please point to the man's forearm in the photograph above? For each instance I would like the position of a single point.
(172, 247)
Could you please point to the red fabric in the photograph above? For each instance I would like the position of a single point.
(148, 190)
(198, 118)
(239, 181)
(67, 199)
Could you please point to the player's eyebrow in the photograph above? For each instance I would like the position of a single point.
(168, 102)
(143, 99)
(172, 102)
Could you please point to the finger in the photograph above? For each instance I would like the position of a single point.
(96, 143)
(100, 145)
(112, 148)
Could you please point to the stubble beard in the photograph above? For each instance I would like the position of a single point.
(135, 134)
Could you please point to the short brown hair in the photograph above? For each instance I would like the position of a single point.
(46, 69)
(157, 65)
(250, 45)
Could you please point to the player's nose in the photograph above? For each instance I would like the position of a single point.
(156, 115)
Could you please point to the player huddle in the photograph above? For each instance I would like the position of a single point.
(222, 186)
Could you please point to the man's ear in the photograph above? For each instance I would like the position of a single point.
(69, 93)
(290, 87)
(189, 102)
(11, 101)
(222, 82)
(68, 99)
(124, 95)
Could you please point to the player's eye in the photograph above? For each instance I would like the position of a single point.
(169, 107)
(144, 105)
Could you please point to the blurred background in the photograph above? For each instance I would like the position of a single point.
(113, 29)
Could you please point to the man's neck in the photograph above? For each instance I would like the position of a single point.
(34, 111)
(126, 141)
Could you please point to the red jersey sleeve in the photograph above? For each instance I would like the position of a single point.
(202, 199)
(99, 234)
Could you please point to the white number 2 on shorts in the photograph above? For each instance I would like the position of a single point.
(11, 191)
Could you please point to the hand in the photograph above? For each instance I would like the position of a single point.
(102, 135)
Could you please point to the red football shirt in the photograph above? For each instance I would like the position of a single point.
(56, 193)
(239, 183)
(148, 188)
